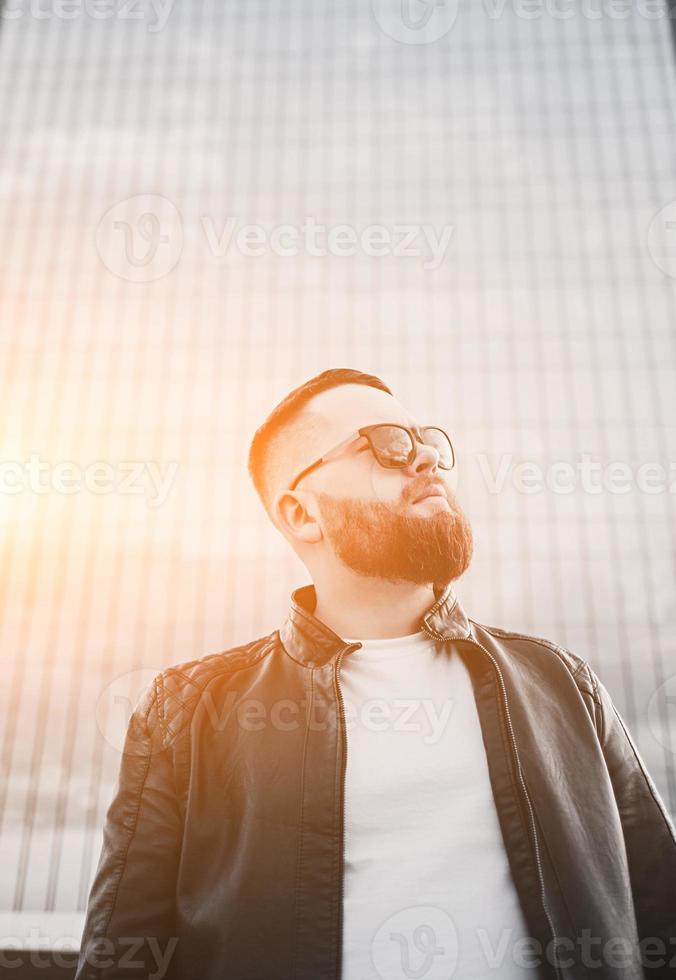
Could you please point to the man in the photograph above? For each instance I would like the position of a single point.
(382, 788)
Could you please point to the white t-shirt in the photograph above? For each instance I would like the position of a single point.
(427, 890)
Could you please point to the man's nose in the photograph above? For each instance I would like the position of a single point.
(426, 460)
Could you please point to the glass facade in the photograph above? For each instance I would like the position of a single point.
(203, 204)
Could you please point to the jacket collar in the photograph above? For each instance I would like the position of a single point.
(308, 640)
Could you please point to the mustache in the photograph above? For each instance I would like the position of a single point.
(420, 488)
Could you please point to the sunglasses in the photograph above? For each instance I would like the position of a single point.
(394, 446)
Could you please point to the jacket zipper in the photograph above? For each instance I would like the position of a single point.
(531, 813)
(343, 730)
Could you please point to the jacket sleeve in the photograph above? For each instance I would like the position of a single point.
(129, 927)
(648, 833)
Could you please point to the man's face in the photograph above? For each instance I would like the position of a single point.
(396, 524)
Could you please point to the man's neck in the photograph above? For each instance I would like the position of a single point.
(367, 609)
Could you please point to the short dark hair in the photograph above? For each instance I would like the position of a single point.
(290, 408)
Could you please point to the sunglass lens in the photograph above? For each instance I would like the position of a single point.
(392, 445)
(438, 438)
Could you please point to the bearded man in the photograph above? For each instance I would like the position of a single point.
(382, 788)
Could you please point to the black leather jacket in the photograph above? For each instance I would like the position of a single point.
(223, 847)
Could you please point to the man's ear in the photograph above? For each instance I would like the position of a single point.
(295, 518)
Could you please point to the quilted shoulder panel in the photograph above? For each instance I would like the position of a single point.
(177, 689)
(574, 663)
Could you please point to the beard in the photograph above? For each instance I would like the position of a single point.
(380, 540)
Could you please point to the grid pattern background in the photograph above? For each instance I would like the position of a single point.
(135, 331)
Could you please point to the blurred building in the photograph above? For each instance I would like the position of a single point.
(474, 200)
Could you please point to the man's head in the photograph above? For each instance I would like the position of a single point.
(398, 524)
